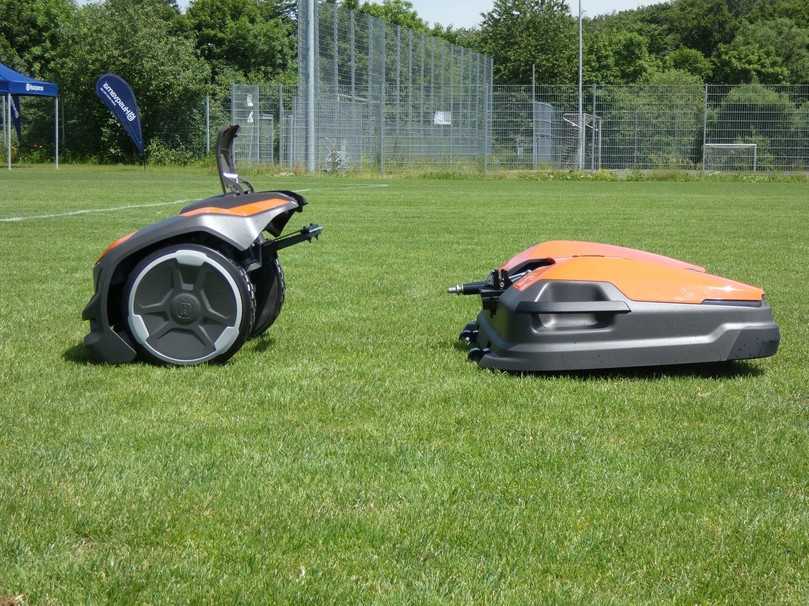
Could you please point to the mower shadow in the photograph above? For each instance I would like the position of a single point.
(79, 354)
(262, 344)
(714, 370)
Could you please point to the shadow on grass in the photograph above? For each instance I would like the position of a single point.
(713, 370)
(79, 354)
(262, 344)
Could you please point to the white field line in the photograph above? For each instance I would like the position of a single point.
(87, 211)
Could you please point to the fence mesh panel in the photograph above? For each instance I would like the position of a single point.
(388, 97)
(384, 97)
(773, 117)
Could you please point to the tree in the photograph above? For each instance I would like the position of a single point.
(775, 51)
(134, 39)
(254, 36)
(631, 57)
(769, 115)
(702, 24)
(689, 60)
(522, 33)
(396, 12)
(30, 33)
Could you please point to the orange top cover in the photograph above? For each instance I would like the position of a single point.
(243, 210)
(639, 275)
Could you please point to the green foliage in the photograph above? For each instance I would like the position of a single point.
(775, 51)
(631, 57)
(160, 154)
(396, 12)
(701, 24)
(31, 33)
(669, 101)
(767, 112)
(522, 33)
(253, 36)
(133, 39)
(689, 60)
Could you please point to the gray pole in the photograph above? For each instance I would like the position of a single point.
(8, 129)
(593, 135)
(336, 58)
(409, 81)
(487, 107)
(56, 133)
(704, 126)
(398, 78)
(233, 103)
(382, 91)
(581, 75)
(352, 50)
(311, 165)
(281, 124)
(534, 158)
(207, 124)
(5, 125)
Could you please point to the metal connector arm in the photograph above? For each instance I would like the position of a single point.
(307, 234)
(470, 288)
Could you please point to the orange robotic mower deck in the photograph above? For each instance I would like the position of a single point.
(567, 305)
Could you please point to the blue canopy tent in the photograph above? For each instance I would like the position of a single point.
(15, 83)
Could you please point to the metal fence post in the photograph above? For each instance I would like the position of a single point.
(487, 107)
(311, 135)
(382, 101)
(282, 123)
(704, 126)
(207, 124)
(4, 120)
(593, 133)
(352, 50)
(8, 129)
(398, 77)
(233, 103)
(336, 57)
(56, 129)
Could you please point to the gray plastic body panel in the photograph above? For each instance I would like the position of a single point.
(240, 232)
(643, 334)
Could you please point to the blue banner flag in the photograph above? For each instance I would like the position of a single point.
(117, 95)
(16, 120)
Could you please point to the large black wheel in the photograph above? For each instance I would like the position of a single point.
(188, 304)
(270, 288)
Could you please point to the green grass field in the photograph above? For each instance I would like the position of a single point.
(355, 456)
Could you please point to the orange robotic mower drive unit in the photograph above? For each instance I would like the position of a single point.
(194, 287)
(568, 305)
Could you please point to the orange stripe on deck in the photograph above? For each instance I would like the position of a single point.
(245, 210)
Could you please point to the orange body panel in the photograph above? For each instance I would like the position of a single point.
(562, 249)
(245, 210)
(117, 242)
(641, 280)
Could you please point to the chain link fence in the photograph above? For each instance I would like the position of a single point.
(375, 97)
(378, 96)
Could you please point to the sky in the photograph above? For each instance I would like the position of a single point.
(466, 13)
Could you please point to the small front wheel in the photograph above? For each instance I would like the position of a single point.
(188, 304)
